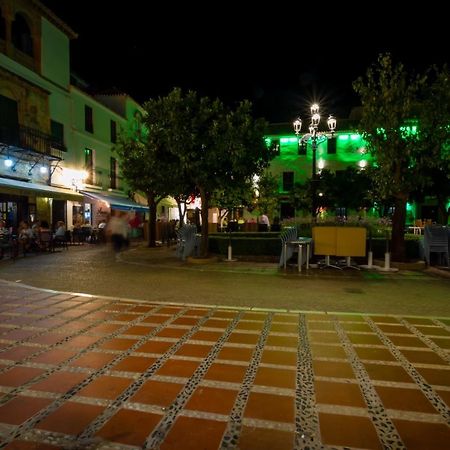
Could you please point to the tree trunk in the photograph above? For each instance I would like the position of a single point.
(398, 228)
(442, 210)
(152, 221)
(205, 206)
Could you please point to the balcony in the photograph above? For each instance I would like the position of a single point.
(34, 142)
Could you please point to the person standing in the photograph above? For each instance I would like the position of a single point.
(118, 229)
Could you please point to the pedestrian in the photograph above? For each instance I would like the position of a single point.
(118, 230)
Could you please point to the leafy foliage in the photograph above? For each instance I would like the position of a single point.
(393, 103)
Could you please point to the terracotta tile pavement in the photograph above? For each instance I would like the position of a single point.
(177, 375)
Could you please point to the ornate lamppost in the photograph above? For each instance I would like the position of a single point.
(315, 136)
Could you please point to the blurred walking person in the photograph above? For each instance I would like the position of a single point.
(117, 228)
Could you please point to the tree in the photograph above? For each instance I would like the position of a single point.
(206, 145)
(389, 96)
(233, 196)
(141, 165)
(268, 198)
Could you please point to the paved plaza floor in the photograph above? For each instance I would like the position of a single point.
(91, 370)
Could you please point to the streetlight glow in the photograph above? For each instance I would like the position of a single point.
(314, 135)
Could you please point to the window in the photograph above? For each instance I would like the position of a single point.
(2, 26)
(113, 131)
(331, 146)
(89, 165)
(113, 173)
(275, 146)
(57, 130)
(88, 119)
(21, 35)
(301, 147)
(9, 121)
(288, 181)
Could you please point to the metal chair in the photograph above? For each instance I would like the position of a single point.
(435, 240)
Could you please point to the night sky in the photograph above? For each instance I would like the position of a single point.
(281, 57)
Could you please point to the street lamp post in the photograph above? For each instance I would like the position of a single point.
(315, 135)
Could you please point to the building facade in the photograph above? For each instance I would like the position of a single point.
(56, 140)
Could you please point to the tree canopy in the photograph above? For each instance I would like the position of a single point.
(199, 143)
(397, 124)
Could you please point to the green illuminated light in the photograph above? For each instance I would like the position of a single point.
(288, 140)
(268, 141)
(343, 137)
(354, 137)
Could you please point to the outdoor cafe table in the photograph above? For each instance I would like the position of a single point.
(300, 242)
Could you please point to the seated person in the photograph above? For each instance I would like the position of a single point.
(60, 233)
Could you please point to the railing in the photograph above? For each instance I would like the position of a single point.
(27, 138)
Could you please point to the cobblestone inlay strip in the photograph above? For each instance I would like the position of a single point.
(306, 420)
(426, 389)
(99, 421)
(164, 426)
(441, 324)
(231, 436)
(32, 421)
(387, 433)
(438, 350)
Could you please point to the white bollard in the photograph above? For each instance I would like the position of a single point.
(369, 260)
(387, 261)
(230, 252)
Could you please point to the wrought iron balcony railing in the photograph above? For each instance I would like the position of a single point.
(32, 140)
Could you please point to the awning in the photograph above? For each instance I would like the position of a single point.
(25, 188)
(114, 202)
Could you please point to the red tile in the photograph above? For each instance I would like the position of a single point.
(105, 386)
(282, 341)
(185, 321)
(157, 393)
(195, 434)
(404, 399)
(59, 382)
(283, 378)
(155, 347)
(139, 330)
(21, 408)
(93, 360)
(55, 356)
(243, 338)
(251, 326)
(118, 344)
(196, 350)
(125, 317)
(18, 335)
(19, 353)
(18, 376)
(155, 318)
(48, 338)
(261, 406)
(212, 400)
(343, 394)
(333, 369)
(252, 438)
(105, 328)
(226, 372)
(348, 431)
(134, 364)
(279, 357)
(178, 368)
(82, 341)
(71, 418)
(129, 427)
(235, 353)
(422, 435)
(172, 332)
